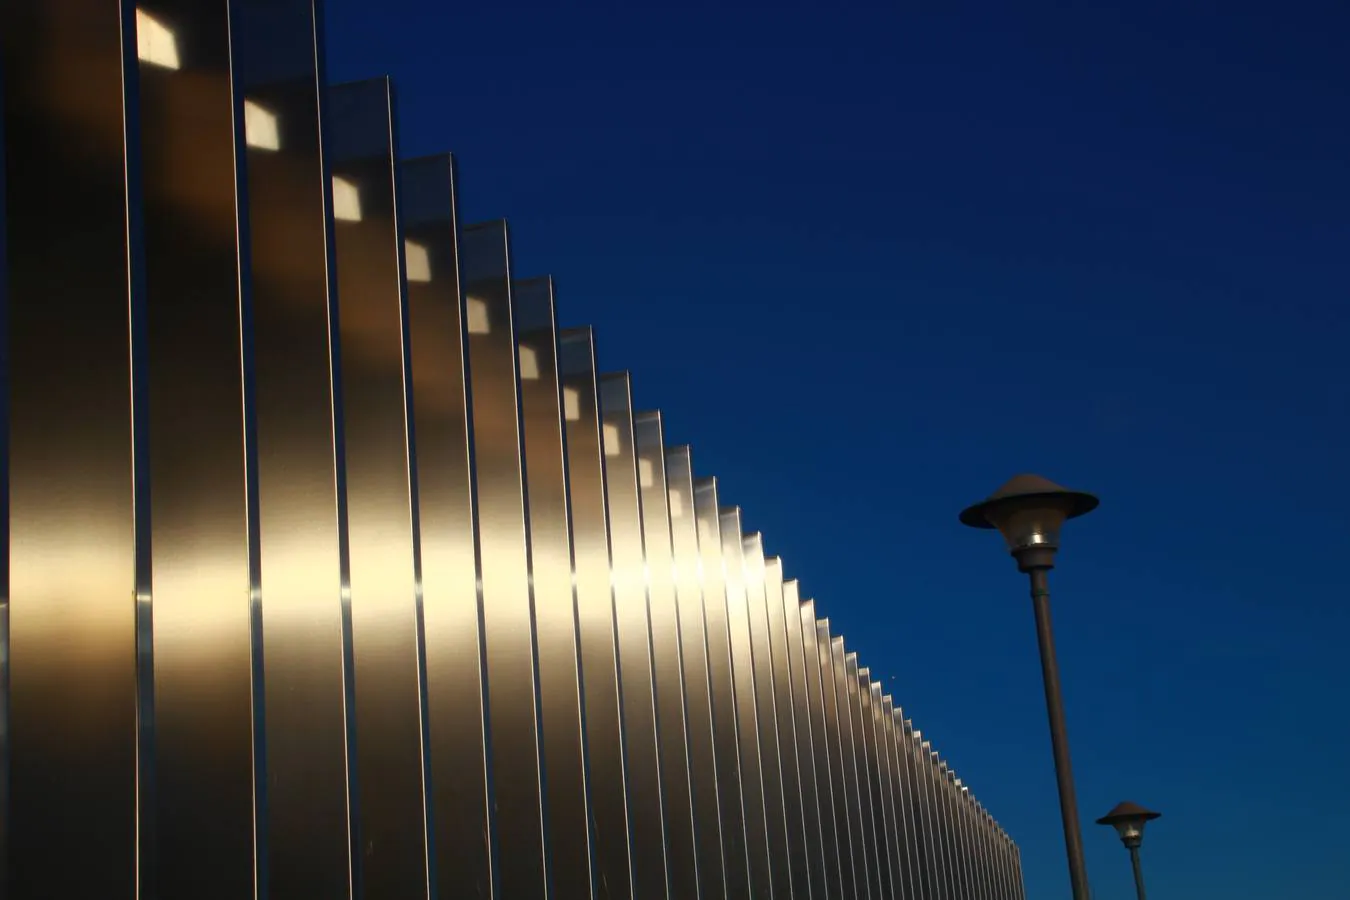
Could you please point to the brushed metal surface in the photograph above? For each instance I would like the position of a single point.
(567, 817)
(391, 820)
(200, 584)
(646, 815)
(726, 717)
(886, 830)
(456, 756)
(75, 591)
(503, 563)
(754, 571)
(845, 782)
(304, 801)
(865, 780)
(834, 841)
(703, 761)
(813, 801)
(667, 661)
(859, 837)
(757, 843)
(596, 616)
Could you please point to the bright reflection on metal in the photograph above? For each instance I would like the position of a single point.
(529, 363)
(863, 768)
(477, 316)
(416, 262)
(346, 201)
(799, 856)
(155, 42)
(260, 127)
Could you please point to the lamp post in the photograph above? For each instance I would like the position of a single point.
(1129, 819)
(1029, 511)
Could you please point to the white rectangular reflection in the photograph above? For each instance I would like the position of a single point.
(476, 316)
(417, 262)
(155, 42)
(346, 201)
(260, 127)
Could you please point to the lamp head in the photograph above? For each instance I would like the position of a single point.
(1128, 819)
(1028, 511)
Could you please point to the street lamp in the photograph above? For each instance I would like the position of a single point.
(1129, 819)
(1029, 511)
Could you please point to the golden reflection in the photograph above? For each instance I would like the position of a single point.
(416, 262)
(476, 315)
(529, 363)
(346, 200)
(260, 127)
(155, 42)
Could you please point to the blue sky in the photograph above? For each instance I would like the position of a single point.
(873, 260)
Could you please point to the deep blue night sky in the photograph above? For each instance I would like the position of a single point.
(873, 261)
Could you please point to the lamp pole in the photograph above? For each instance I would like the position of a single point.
(1029, 511)
(1129, 820)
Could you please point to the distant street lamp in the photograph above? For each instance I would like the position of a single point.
(1029, 511)
(1129, 819)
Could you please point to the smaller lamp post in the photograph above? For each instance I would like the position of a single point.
(1129, 819)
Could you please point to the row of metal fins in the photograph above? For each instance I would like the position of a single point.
(334, 569)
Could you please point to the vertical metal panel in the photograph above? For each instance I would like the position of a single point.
(904, 821)
(305, 823)
(871, 704)
(1019, 883)
(958, 840)
(834, 837)
(979, 888)
(202, 809)
(385, 621)
(766, 706)
(595, 615)
(72, 569)
(845, 798)
(882, 764)
(757, 843)
(798, 849)
(813, 798)
(676, 790)
(503, 565)
(726, 716)
(861, 761)
(567, 808)
(941, 823)
(456, 756)
(948, 833)
(634, 628)
(857, 836)
(923, 811)
(703, 762)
